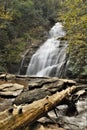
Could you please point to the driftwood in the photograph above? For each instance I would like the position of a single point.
(26, 115)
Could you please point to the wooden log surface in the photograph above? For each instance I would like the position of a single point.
(18, 118)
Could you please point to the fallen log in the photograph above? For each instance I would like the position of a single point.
(40, 88)
(28, 114)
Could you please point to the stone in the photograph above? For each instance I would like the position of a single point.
(10, 89)
(5, 104)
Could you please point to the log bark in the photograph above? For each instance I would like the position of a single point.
(28, 114)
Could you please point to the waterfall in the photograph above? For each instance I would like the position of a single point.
(50, 58)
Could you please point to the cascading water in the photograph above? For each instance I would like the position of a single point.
(50, 58)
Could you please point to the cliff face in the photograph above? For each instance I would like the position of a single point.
(27, 56)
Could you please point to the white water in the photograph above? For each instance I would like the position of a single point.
(50, 58)
(78, 122)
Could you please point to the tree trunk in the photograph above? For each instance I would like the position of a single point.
(17, 119)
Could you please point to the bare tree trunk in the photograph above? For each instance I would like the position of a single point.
(28, 114)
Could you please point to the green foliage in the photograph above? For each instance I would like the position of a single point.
(25, 21)
(74, 16)
(22, 22)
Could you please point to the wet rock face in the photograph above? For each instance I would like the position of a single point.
(31, 49)
(21, 67)
(49, 126)
(27, 56)
(13, 68)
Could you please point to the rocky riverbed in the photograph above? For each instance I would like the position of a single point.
(13, 88)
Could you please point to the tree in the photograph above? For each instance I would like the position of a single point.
(75, 21)
(20, 17)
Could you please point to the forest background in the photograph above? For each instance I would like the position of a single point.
(23, 22)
